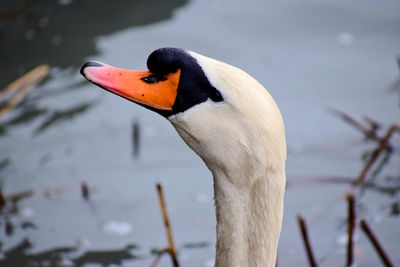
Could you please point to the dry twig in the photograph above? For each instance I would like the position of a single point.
(375, 154)
(20, 87)
(381, 252)
(158, 257)
(368, 133)
(351, 226)
(2, 200)
(85, 191)
(171, 247)
(375, 125)
(307, 244)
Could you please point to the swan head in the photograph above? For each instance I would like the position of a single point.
(221, 112)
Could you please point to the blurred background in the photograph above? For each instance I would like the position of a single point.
(78, 166)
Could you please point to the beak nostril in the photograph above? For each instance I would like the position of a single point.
(90, 64)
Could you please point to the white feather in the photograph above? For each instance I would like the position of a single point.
(242, 141)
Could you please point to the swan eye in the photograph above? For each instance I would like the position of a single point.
(153, 78)
(215, 95)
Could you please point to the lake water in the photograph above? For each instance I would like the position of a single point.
(311, 55)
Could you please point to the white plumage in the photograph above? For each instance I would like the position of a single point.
(234, 125)
(242, 141)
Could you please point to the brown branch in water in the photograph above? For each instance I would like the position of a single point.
(14, 198)
(171, 248)
(380, 165)
(304, 234)
(2, 200)
(375, 125)
(375, 154)
(85, 191)
(20, 87)
(158, 257)
(379, 249)
(27, 78)
(368, 133)
(351, 226)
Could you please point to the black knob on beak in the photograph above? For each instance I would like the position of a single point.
(89, 64)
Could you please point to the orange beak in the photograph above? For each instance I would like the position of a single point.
(142, 87)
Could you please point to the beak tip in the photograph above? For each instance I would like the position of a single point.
(89, 64)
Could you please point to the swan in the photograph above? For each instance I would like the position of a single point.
(234, 125)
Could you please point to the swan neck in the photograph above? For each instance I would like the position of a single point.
(249, 219)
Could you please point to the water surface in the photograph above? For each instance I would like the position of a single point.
(311, 56)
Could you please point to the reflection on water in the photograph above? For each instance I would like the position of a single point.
(62, 33)
(28, 114)
(20, 256)
(60, 116)
(63, 134)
